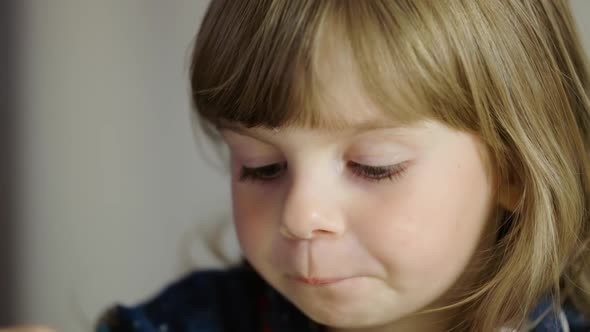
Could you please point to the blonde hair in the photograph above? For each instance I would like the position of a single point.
(511, 71)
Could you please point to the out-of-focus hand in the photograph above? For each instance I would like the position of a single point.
(31, 328)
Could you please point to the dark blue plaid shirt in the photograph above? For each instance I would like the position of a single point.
(239, 300)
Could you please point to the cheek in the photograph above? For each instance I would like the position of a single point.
(253, 218)
(432, 224)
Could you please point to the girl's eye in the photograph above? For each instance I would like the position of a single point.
(265, 173)
(272, 172)
(378, 173)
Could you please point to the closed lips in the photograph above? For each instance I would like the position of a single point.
(318, 281)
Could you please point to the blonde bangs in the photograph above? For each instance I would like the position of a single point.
(409, 67)
(271, 76)
(248, 59)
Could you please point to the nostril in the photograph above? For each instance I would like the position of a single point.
(297, 234)
(287, 233)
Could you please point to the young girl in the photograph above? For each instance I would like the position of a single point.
(396, 165)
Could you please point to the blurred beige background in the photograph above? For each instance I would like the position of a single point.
(114, 192)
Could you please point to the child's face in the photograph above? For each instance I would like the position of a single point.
(349, 244)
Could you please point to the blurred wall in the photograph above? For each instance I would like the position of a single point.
(112, 181)
(113, 185)
(581, 10)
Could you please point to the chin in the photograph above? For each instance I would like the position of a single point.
(345, 320)
(340, 315)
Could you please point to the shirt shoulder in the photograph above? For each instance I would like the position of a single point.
(566, 319)
(203, 301)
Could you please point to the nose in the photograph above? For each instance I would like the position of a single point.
(311, 210)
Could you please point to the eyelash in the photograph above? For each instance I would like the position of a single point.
(378, 173)
(370, 173)
(258, 173)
